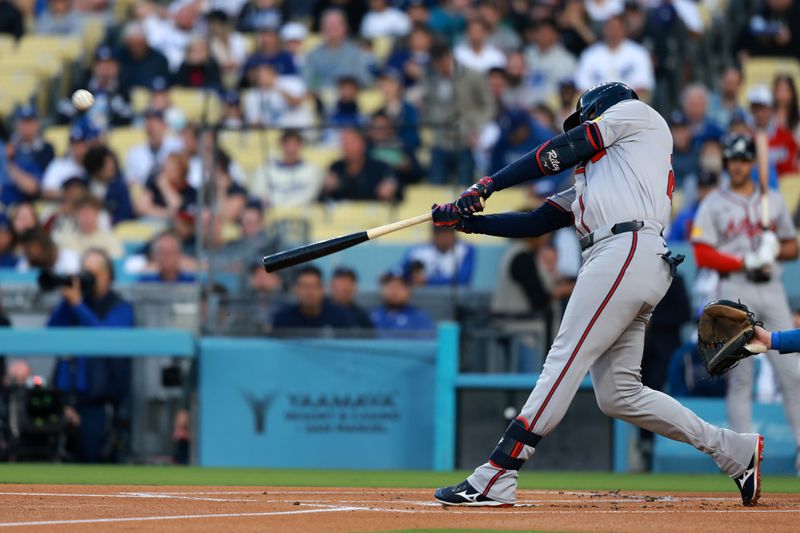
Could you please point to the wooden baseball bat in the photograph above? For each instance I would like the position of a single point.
(762, 160)
(315, 250)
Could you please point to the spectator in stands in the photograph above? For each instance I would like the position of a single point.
(259, 14)
(169, 30)
(11, 21)
(723, 104)
(687, 375)
(384, 20)
(230, 197)
(447, 261)
(111, 100)
(345, 111)
(357, 176)
(228, 47)
(681, 227)
(252, 220)
(501, 36)
(519, 92)
(144, 160)
(476, 53)
(616, 58)
(168, 261)
(39, 251)
(59, 18)
(343, 289)
(312, 310)
(81, 137)
(107, 184)
(264, 283)
(685, 155)
(782, 145)
(548, 60)
(23, 218)
(694, 104)
(567, 96)
(167, 192)
(98, 388)
(773, 31)
(413, 59)
(385, 145)
(457, 104)
(88, 232)
(575, 27)
(519, 133)
(787, 113)
(448, 19)
(396, 316)
(190, 137)
(269, 51)
(198, 70)
(139, 64)
(293, 36)
(289, 180)
(402, 113)
(352, 10)
(232, 117)
(62, 218)
(275, 100)
(336, 57)
(28, 155)
(8, 256)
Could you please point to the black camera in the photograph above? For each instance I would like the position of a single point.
(50, 281)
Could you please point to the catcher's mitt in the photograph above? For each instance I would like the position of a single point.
(723, 335)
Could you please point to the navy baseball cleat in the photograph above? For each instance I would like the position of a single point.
(464, 495)
(749, 483)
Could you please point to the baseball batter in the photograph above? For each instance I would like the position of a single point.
(728, 237)
(619, 205)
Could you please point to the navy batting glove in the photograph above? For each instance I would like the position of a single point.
(445, 216)
(470, 200)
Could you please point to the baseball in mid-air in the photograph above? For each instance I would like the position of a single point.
(82, 99)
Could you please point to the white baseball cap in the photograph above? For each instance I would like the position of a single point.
(293, 31)
(760, 95)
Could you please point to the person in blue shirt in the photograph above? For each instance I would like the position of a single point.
(396, 317)
(27, 157)
(8, 259)
(98, 388)
(107, 183)
(445, 260)
(681, 227)
(166, 253)
(268, 51)
(313, 312)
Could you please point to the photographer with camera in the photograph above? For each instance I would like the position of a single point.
(97, 388)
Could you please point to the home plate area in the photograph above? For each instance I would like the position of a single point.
(232, 509)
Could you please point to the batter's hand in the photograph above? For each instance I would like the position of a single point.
(446, 216)
(470, 201)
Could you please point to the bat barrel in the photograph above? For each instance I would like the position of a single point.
(312, 251)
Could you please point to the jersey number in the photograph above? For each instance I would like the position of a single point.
(670, 185)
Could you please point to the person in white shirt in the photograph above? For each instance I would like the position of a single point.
(144, 159)
(228, 47)
(475, 52)
(616, 59)
(170, 35)
(548, 61)
(602, 10)
(81, 136)
(290, 181)
(383, 20)
(276, 100)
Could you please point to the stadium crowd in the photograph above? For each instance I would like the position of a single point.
(463, 88)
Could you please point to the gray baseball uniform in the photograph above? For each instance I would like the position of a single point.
(622, 279)
(731, 223)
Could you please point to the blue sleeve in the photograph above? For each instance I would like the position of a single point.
(786, 341)
(545, 219)
(120, 316)
(62, 315)
(464, 274)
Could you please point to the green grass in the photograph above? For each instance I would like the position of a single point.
(174, 475)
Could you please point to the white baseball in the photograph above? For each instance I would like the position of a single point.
(82, 99)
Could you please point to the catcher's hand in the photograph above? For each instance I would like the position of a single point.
(724, 335)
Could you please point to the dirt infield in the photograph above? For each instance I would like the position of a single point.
(78, 508)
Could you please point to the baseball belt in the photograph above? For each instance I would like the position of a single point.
(600, 234)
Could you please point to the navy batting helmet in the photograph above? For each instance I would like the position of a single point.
(739, 146)
(596, 100)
